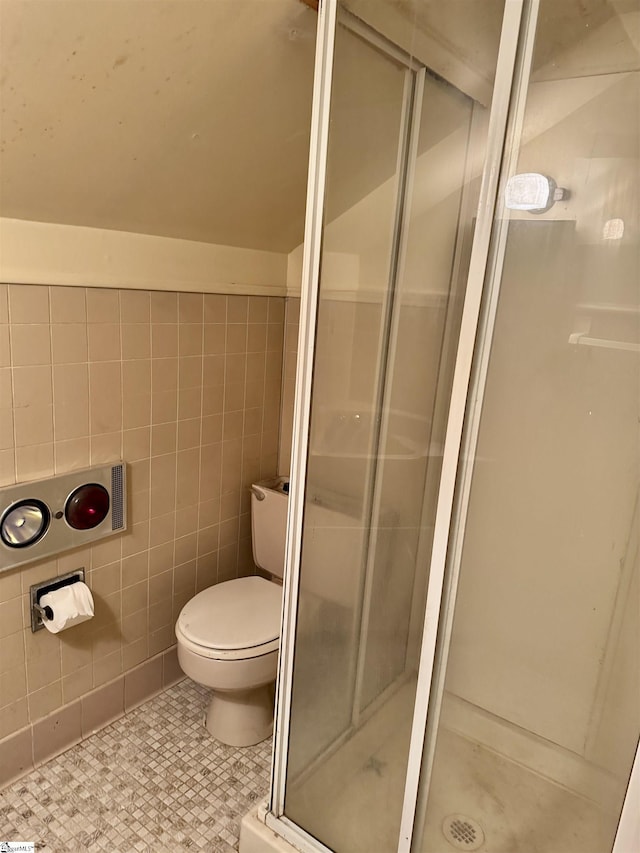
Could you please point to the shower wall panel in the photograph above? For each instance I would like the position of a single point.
(540, 603)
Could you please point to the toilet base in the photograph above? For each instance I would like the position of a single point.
(243, 717)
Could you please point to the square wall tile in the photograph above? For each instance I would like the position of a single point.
(102, 706)
(106, 668)
(4, 303)
(237, 309)
(105, 401)
(15, 756)
(136, 539)
(190, 307)
(33, 425)
(134, 653)
(215, 308)
(104, 342)
(136, 340)
(164, 374)
(31, 386)
(135, 569)
(28, 303)
(45, 700)
(69, 343)
(43, 659)
(12, 718)
(136, 444)
(164, 307)
(77, 684)
(103, 306)
(10, 617)
(30, 344)
(136, 377)
(161, 639)
(7, 453)
(215, 336)
(5, 346)
(142, 683)
(71, 455)
(135, 306)
(57, 732)
(34, 461)
(164, 340)
(68, 305)
(258, 309)
(190, 339)
(171, 671)
(71, 401)
(6, 388)
(10, 586)
(106, 448)
(276, 309)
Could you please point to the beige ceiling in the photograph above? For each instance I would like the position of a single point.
(190, 118)
(574, 38)
(181, 118)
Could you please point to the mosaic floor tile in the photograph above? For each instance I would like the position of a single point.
(152, 781)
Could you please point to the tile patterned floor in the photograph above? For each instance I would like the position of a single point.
(152, 781)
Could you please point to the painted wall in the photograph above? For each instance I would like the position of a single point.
(183, 121)
(183, 386)
(48, 253)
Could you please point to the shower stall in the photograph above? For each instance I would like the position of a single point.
(460, 661)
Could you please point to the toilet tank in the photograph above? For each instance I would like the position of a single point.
(269, 503)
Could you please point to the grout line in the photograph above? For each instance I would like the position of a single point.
(13, 388)
(176, 466)
(242, 438)
(121, 456)
(200, 441)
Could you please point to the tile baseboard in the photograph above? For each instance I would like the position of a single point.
(31, 746)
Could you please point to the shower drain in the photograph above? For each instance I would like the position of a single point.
(463, 832)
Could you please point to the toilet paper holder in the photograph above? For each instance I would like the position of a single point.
(37, 590)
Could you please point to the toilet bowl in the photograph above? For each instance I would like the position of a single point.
(228, 639)
(229, 634)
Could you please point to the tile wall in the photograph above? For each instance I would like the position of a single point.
(186, 389)
(289, 365)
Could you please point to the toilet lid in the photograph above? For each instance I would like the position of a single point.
(236, 614)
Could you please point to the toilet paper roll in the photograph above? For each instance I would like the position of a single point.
(70, 604)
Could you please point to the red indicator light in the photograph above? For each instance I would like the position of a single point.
(87, 506)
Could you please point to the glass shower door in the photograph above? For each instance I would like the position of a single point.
(536, 718)
(403, 172)
(359, 243)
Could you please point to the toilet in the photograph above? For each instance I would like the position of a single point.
(229, 634)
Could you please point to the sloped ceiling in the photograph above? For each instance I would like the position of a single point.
(469, 31)
(180, 118)
(190, 118)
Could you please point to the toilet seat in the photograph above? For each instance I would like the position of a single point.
(228, 654)
(234, 620)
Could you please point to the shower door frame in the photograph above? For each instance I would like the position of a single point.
(509, 95)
